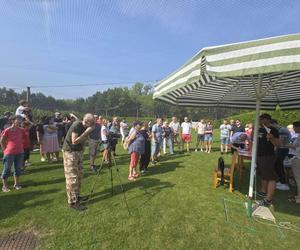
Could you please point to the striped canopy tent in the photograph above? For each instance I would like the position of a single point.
(258, 74)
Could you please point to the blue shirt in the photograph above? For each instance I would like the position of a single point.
(157, 130)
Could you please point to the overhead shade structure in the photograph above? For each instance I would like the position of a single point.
(259, 74)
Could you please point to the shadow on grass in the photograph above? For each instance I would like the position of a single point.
(33, 183)
(44, 168)
(164, 167)
(11, 204)
(143, 184)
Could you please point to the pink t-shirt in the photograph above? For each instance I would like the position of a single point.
(14, 141)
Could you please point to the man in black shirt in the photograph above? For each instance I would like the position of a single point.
(237, 127)
(73, 148)
(268, 139)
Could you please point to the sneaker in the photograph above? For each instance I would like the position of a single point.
(143, 171)
(5, 189)
(27, 164)
(261, 194)
(78, 207)
(153, 162)
(201, 150)
(196, 150)
(43, 159)
(93, 169)
(283, 187)
(265, 203)
(17, 187)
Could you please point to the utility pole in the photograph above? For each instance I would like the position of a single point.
(28, 94)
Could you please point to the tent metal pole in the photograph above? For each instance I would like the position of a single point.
(255, 144)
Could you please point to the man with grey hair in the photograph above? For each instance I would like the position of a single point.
(73, 149)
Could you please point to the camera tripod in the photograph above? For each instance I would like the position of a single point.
(111, 164)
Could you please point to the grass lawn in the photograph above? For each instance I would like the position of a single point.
(173, 207)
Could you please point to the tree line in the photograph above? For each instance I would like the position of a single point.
(136, 101)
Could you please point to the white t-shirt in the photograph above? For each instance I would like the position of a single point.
(123, 127)
(296, 152)
(186, 128)
(19, 111)
(175, 126)
(225, 130)
(200, 128)
(104, 133)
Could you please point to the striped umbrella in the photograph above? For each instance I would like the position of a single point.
(258, 74)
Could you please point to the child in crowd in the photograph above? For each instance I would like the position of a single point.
(26, 143)
(208, 137)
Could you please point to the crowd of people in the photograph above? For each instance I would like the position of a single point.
(145, 142)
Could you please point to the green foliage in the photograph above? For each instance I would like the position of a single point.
(284, 118)
(136, 102)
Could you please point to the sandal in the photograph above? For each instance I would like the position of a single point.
(136, 175)
(131, 178)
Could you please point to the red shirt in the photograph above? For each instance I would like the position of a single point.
(26, 141)
(14, 141)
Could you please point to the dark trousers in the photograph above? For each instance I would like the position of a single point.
(26, 154)
(145, 158)
(281, 153)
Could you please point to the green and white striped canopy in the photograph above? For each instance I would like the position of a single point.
(236, 75)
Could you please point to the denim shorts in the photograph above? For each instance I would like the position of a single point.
(8, 161)
(225, 140)
(208, 137)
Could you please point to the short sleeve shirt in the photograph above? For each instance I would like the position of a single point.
(236, 138)
(200, 128)
(236, 129)
(95, 134)
(157, 130)
(225, 130)
(19, 111)
(78, 128)
(186, 128)
(296, 152)
(104, 133)
(175, 126)
(14, 139)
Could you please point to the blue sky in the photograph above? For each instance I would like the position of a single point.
(67, 42)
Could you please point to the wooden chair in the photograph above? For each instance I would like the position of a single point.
(228, 173)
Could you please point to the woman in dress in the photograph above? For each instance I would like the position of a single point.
(50, 145)
(136, 148)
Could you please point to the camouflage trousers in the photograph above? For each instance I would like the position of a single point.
(73, 166)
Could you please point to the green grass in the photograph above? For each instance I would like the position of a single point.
(174, 207)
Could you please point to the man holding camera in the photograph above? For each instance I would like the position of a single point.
(73, 148)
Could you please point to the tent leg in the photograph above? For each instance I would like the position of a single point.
(254, 155)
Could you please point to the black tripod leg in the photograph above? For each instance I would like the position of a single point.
(93, 186)
(111, 181)
(121, 185)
